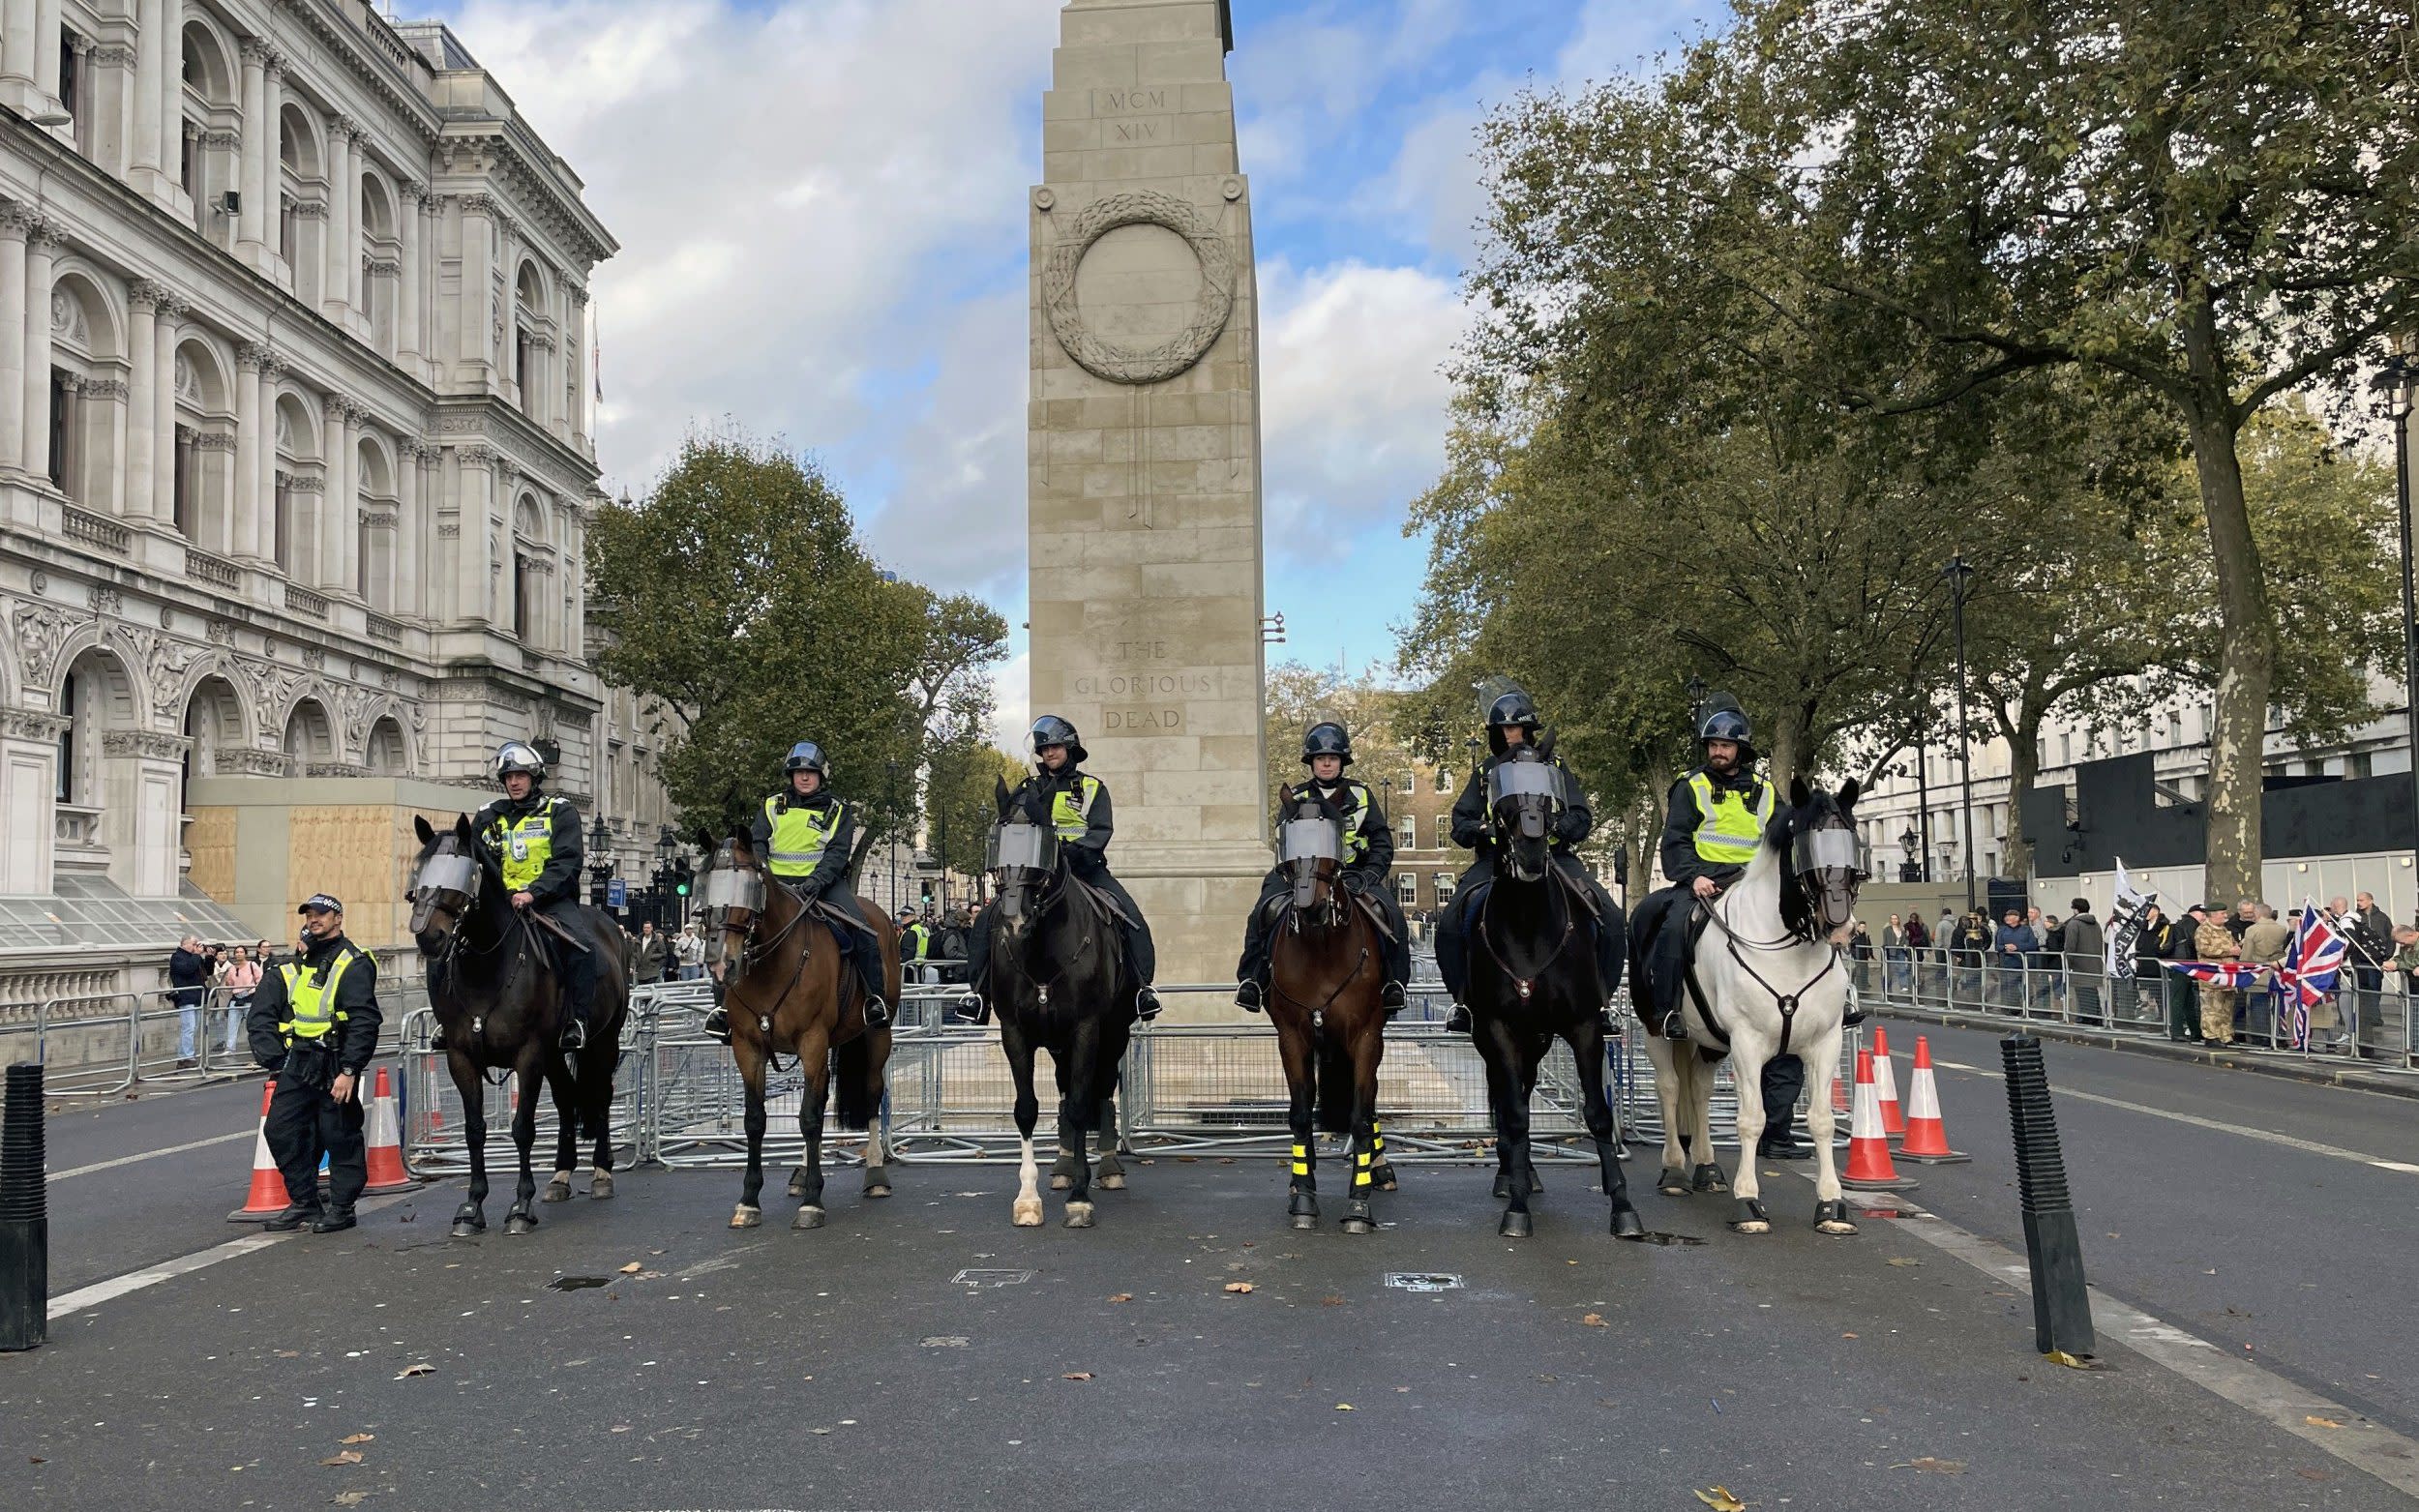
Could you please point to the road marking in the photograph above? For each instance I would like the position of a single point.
(84, 1298)
(2361, 1443)
(167, 1149)
(2264, 1136)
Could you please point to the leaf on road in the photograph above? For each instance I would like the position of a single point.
(289, 1354)
(2315, 1421)
(357, 1438)
(1122, 1296)
(1239, 1286)
(350, 1499)
(411, 1370)
(1344, 1406)
(343, 1457)
(621, 1428)
(1076, 1375)
(1592, 1321)
(1847, 1336)
(1331, 1301)
(1931, 1466)
(1720, 1498)
(2073, 1362)
(634, 1267)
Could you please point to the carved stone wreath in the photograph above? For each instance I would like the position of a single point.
(1104, 359)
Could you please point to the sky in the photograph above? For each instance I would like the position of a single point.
(821, 211)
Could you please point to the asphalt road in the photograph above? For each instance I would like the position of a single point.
(846, 1368)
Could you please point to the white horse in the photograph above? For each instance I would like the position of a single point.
(1772, 981)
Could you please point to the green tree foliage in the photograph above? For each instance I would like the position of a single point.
(958, 787)
(736, 601)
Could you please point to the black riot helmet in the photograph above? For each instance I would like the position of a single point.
(807, 757)
(1326, 738)
(1052, 730)
(519, 756)
(1511, 707)
(1724, 719)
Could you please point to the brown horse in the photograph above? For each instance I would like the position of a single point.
(1328, 971)
(790, 989)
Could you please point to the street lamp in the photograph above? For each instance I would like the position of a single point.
(2401, 374)
(1696, 702)
(600, 862)
(1909, 845)
(1959, 573)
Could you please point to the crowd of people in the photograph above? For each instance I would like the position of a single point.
(932, 949)
(207, 980)
(2031, 960)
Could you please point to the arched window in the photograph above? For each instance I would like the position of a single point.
(66, 785)
(530, 320)
(87, 391)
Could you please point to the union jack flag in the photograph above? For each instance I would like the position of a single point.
(2310, 971)
(2219, 974)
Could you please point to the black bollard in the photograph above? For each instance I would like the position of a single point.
(24, 1222)
(2061, 1306)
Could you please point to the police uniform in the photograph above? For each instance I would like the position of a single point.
(1474, 828)
(807, 841)
(313, 1019)
(1712, 824)
(1368, 859)
(1085, 820)
(537, 843)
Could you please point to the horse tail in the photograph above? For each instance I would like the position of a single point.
(1336, 1084)
(854, 1095)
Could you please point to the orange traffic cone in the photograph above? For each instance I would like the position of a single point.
(1926, 1139)
(267, 1196)
(1869, 1148)
(1885, 1085)
(385, 1139)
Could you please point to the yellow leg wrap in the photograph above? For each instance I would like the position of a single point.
(1301, 1168)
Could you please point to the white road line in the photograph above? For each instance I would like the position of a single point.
(2264, 1136)
(2358, 1441)
(166, 1149)
(83, 1298)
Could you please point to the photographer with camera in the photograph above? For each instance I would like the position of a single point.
(314, 1024)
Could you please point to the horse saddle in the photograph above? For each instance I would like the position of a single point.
(1107, 900)
(840, 919)
(1582, 891)
(1376, 913)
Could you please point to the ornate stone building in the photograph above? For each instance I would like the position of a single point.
(296, 460)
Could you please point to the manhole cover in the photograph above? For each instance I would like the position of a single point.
(980, 1277)
(1423, 1281)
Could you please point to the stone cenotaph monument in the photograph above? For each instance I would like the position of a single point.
(1142, 502)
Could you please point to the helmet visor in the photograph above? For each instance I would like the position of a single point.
(1523, 779)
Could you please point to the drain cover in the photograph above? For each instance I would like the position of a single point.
(980, 1277)
(1423, 1281)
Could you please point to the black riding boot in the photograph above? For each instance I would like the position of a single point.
(1249, 995)
(1392, 996)
(717, 1024)
(1459, 1022)
(876, 1012)
(1146, 1005)
(578, 1005)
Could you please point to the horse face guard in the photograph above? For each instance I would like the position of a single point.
(1312, 855)
(446, 888)
(1824, 861)
(1525, 795)
(735, 890)
(1021, 859)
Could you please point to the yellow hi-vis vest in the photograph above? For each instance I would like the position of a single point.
(801, 833)
(526, 845)
(1070, 817)
(1355, 804)
(311, 1006)
(923, 939)
(1728, 830)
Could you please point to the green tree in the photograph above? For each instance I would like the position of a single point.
(958, 787)
(736, 600)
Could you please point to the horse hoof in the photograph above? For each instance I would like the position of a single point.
(1059, 1184)
(877, 1189)
(1626, 1223)
(1832, 1217)
(1382, 1179)
(1709, 1177)
(1359, 1226)
(1027, 1213)
(1515, 1225)
(808, 1218)
(558, 1190)
(1306, 1223)
(1672, 1181)
(1079, 1215)
(797, 1183)
(463, 1228)
(745, 1216)
(520, 1223)
(1751, 1217)
(1114, 1181)
(600, 1188)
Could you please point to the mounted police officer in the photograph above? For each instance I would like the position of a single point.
(314, 1024)
(1715, 821)
(1327, 749)
(1512, 723)
(535, 840)
(807, 837)
(1080, 812)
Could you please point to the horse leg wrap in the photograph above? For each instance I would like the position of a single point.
(1748, 1211)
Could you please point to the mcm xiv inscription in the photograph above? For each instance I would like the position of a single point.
(1128, 102)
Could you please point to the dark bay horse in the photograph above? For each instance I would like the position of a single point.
(1327, 971)
(1059, 981)
(790, 987)
(499, 1001)
(1534, 977)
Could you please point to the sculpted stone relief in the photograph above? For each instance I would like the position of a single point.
(1104, 359)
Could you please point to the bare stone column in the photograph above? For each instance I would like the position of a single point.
(253, 174)
(142, 304)
(1143, 461)
(41, 247)
(14, 222)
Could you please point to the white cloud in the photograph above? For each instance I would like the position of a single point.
(1354, 412)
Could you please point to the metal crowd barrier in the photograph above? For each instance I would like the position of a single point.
(2372, 1027)
(435, 1129)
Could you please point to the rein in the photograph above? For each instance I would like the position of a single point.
(1054, 897)
(1347, 910)
(1787, 1002)
(1570, 928)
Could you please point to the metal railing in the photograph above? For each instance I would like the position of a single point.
(2372, 1027)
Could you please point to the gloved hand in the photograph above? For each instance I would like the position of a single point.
(1355, 882)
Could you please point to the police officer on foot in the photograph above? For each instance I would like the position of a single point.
(1327, 749)
(314, 1026)
(807, 836)
(1080, 813)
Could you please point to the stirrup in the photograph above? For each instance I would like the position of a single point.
(1146, 1005)
(1392, 995)
(717, 1024)
(1248, 997)
(574, 1034)
(1853, 1017)
(970, 1009)
(1459, 1022)
(876, 1012)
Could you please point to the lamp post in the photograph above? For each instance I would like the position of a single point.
(2400, 375)
(600, 861)
(1910, 843)
(1959, 573)
(890, 791)
(665, 842)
